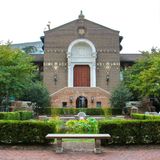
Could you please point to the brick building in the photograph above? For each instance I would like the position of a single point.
(81, 63)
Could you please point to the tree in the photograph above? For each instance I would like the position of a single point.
(16, 71)
(143, 78)
(120, 96)
(37, 93)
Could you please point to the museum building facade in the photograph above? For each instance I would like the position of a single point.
(81, 63)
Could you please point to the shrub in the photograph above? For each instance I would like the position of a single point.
(107, 112)
(10, 115)
(138, 116)
(88, 111)
(25, 132)
(59, 124)
(89, 125)
(25, 115)
(144, 116)
(131, 131)
(21, 115)
(152, 117)
(37, 93)
(120, 96)
(94, 111)
(116, 111)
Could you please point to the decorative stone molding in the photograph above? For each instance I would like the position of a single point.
(108, 66)
(82, 40)
(55, 65)
(82, 52)
(106, 50)
(59, 50)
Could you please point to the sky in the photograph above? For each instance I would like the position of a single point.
(137, 20)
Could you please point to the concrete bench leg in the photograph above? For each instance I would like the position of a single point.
(97, 148)
(59, 148)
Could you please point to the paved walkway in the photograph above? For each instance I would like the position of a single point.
(80, 151)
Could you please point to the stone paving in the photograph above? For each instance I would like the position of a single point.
(80, 151)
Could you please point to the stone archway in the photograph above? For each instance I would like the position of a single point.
(81, 102)
(81, 52)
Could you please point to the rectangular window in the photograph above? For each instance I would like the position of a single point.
(64, 104)
(98, 104)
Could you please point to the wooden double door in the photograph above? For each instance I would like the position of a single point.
(81, 76)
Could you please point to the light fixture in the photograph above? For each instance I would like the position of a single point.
(71, 99)
(55, 79)
(92, 99)
(107, 78)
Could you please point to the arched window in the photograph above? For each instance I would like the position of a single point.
(81, 102)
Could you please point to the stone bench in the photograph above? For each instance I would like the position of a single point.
(96, 137)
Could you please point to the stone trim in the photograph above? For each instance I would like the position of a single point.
(82, 60)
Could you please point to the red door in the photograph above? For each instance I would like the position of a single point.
(81, 76)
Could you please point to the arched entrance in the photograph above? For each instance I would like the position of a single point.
(82, 52)
(81, 102)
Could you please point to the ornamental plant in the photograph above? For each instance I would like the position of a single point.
(89, 125)
(120, 96)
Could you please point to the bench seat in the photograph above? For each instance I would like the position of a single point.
(97, 137)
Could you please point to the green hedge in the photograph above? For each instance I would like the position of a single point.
(21, 115)
(25, 115)
(152, 117)
(88, 111)
(10, 115)
(131, 131)
(116, 111)
(144, 116)
(25, 132)
(138, 116)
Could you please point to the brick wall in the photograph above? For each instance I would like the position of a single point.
(64, 95)
(57, 41)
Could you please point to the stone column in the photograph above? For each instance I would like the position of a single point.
(59, 148)
(93, 75)
(69, 76)
(97, 148)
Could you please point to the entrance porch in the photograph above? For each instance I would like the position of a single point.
(81, 97)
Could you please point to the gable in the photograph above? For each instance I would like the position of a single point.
(86, 23)
(102, 37)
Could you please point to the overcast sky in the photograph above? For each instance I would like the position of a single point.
(137, 20)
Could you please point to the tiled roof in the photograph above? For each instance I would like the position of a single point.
(38, 57)
(130, 57)
(36, 45)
